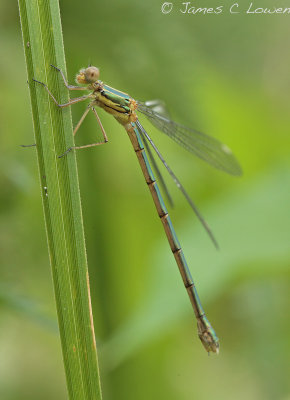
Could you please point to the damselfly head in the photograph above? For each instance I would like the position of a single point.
(88, 75)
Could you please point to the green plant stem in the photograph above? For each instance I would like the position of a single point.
(43, 44)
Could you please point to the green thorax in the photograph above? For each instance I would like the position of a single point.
(114, 96)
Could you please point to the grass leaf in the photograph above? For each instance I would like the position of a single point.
(43, 44)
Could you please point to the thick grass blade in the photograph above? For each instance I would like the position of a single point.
(43, 44)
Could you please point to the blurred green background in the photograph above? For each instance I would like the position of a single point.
(227, 75)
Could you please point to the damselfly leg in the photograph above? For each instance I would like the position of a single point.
(74, 101)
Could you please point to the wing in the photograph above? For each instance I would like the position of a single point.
(203, 146)
(145, 135)
(156, 169)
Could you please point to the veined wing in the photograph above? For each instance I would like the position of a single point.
(145, 135)
(156, 169)
(203, 146)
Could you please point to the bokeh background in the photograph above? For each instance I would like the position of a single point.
(227, 75)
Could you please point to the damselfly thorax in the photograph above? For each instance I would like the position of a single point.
(116, 103)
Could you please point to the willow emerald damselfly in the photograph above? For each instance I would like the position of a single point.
(124, 109)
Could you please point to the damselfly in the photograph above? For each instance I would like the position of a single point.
(124, 109)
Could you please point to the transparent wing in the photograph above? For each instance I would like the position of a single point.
(145, 135)
(203, 146)
(156, 169)
(157, 106)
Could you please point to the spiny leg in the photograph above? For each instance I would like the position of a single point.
(71, 101)
(77, 128)
(101, 125)
(81, 120)
(69, 87)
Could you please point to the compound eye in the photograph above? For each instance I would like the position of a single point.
(92, 74)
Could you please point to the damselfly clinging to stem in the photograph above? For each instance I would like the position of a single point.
(124, 108)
